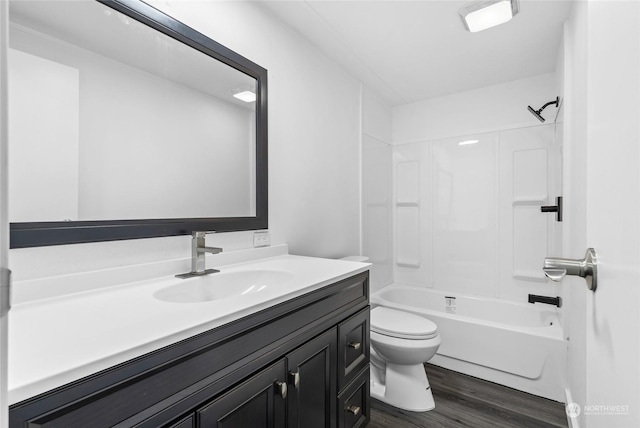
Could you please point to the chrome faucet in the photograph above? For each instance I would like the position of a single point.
(198, 252)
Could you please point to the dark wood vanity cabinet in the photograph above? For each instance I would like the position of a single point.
(188, 422)
(258, 402)
(301, 363)
(311, 372)
(297, 391)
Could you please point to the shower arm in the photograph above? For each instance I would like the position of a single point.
(548, 104)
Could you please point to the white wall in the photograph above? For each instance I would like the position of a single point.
(481, 110)
(376, 188)
(314, 152)
(44, 158)
(376, 116)
(602, 176)
(182, 168)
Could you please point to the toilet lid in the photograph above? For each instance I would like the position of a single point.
(392, 322)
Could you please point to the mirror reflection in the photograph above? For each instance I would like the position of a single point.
(112, 120)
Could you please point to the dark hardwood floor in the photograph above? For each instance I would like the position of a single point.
(465, 401)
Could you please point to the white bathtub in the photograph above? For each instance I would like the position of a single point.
(519, 345)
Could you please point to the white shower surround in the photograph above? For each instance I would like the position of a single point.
(514, 344)
(467, 223)
(467, 216)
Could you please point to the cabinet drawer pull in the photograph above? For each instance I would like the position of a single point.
(354, 345)
(294, 379)
(353, 409)
(281, 388)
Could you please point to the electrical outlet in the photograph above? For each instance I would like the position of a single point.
(261, 239)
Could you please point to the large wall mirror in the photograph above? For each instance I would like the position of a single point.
(125, 123)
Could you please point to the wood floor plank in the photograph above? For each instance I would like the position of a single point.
(464, 401)
(495, 395)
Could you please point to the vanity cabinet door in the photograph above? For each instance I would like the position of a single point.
(259, 402)
(353, 347)
(187, 422)
(312, 383)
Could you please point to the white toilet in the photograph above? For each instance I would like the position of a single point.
(400, 343)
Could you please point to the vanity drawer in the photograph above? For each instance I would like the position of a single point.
(353, 346)
(353, 402)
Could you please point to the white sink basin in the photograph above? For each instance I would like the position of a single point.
(222, 285)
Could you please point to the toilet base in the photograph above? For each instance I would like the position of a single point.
(404, 386)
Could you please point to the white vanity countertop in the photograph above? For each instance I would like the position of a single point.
(60, 339)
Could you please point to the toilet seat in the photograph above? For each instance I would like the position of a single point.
(404, 325)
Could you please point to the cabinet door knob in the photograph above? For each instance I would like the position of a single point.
(353, 409)
(354, 345)
(281, 388)
(294, 379)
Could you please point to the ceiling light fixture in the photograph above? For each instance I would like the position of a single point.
(467, 142)
(245, 95)
(481, 15)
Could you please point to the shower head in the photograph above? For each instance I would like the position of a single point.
(537, 113)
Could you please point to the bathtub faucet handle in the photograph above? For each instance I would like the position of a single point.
(556, 268)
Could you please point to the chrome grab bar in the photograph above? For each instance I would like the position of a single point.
(556, 268)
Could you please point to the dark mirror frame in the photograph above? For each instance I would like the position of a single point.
(39, 234)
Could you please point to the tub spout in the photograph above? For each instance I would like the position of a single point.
(556, 268)
(556, 301)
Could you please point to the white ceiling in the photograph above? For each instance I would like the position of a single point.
(414, 50)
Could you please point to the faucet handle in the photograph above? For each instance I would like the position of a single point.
(198, 243)
(198, 236)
